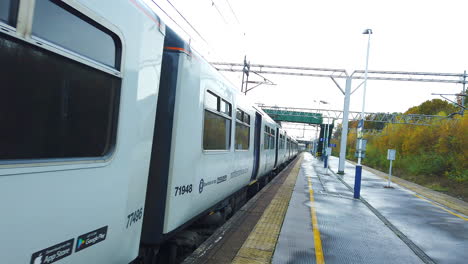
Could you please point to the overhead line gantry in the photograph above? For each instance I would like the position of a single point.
(334, 75)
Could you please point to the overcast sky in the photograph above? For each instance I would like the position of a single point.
(408, 35)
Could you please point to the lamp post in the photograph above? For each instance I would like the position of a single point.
(324, 137)
(325, 144)
(357, 180)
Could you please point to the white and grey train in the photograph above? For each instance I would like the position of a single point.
(114, 134)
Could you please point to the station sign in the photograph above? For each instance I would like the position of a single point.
(363, 145)
(361, 150)
(391, 154)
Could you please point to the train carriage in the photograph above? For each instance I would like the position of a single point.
(79, 92)
(115, 134)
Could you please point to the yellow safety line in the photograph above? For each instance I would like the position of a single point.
(319, 259)
(457, 215)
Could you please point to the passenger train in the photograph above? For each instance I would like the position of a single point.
(116, 135)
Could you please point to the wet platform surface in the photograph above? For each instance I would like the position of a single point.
(386, 226)
(313, 218)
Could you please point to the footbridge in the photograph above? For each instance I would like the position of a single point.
(315, 116)
(293, 115)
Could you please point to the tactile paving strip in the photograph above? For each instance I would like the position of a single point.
(261, 243)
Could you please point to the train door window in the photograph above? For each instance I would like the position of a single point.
(217, 124)
(266, 138)
(52, 107)
(9, 11)
(242, 130)
(272, 139)
(58, 23)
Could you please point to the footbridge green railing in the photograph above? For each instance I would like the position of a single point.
(286, 115)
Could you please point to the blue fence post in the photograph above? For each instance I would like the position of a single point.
(357, 182)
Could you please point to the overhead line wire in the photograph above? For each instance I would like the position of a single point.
(232, 10)
(219, 12)
(183, 17)
(170, 17)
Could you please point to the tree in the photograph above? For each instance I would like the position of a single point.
(432, 107)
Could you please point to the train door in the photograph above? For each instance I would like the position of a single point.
(258, 131)
(276, 146)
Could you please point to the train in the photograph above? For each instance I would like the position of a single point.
(116, 135)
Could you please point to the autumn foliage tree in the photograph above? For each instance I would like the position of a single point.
(435, 155)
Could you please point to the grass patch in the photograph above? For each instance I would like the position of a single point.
(436, 187)
(440, 184)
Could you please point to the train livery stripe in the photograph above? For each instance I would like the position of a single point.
(181, 50)
(147, 12)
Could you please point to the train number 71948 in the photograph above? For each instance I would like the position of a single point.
(181, 190)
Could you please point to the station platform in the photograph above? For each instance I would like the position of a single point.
(313, 218)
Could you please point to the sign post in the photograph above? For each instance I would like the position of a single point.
(391, 153)
(329, 152)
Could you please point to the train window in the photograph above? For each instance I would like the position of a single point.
(58, 23)
(216, 133)
(269, 138)
(272, 143)
(242, 136)
(239, 114)
(266, 139)
(243, 117)
(211, 101)
(225, 107)
(9, 12)
(242, 130)
(53, 107)
(217, 125)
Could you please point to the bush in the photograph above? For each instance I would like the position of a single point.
(435, 155)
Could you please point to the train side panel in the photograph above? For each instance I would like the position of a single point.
(202, 172)
(62, 205)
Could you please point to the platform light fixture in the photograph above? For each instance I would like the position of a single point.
(360, 128)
